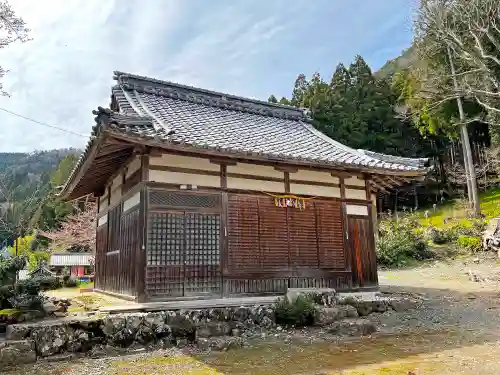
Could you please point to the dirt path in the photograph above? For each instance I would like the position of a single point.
(456, 331)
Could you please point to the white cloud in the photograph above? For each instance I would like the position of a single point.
(243, 47)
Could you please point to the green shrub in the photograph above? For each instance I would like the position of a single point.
(399, 242)
(470, 244)
(23, 294)
(27, 295)
(48, 282)
(26, 301)
(71, 282)
(438, 236)
(300, 312)
(469, 228)
(6, 292)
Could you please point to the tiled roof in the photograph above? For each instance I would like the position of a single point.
(227, 123)
(70, 259)
(206, 120)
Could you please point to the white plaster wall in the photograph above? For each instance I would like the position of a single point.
(322, 191)
(315, 176)
(184, 162)
(354, 181)
(255, 170)
(133, 166)
(133, 201)
(102, 220)
(103, 204)
(256, 185)
(355, 194)
(352, 209)
(183, 178)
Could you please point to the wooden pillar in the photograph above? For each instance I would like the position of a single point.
(141, 256)
(374, 215)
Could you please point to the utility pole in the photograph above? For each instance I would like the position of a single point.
(470, 171)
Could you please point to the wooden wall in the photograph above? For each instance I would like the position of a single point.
(205, 173)
(226, 236)
(272, 248)
(117, 243)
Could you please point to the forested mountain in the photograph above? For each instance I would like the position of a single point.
(25, 174)
(27, 182)
(404, 61)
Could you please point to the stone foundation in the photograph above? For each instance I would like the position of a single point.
(209, 329)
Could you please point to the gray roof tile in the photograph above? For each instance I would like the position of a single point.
(198, 118)
(208, 119)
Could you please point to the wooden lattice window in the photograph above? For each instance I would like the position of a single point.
(202, 239)
(183, 200)
(165, 239)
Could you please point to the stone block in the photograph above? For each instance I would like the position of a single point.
(353, 327)
(18, 331)
(17, 352)
(403, 304)
(213, 329)
(52, 338)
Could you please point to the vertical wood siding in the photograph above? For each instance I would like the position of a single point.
(330, 231)
(243, 234)
(129, 245)
(100, 255)
(273, 235)
(272, 248)
(363, 251)
(117, 244)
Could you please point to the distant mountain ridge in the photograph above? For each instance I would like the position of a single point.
(25, 174)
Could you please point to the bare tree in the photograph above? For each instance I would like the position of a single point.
(464, 37)
(12, 29)
(471, 29)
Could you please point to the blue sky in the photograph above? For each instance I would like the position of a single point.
(245, 47)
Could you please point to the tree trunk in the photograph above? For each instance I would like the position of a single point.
(470, 171)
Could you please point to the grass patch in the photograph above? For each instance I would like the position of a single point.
(86, 285)
(178, 364)
(490, 207)
(9, 312)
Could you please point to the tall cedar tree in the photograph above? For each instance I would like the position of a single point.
(356, 109)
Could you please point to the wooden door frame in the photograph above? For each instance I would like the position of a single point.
(350, 251)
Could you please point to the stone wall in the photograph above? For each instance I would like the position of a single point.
(217, 328)
(166, 328)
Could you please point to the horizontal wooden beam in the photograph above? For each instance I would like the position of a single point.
(284, 168)
(222, 162)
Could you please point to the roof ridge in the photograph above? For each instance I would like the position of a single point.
(174, 90)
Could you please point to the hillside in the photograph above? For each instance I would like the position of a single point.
(405, 60)
(25, 174)
(25, 184)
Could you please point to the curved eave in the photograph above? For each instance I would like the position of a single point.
(159, 142)
(115, 136)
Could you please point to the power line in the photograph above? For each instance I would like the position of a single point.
(43, 123)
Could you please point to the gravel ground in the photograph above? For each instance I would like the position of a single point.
(455, 331)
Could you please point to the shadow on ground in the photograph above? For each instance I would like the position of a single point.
(447, 320)
(449, 324)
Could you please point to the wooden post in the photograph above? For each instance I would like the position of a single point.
(142, 232)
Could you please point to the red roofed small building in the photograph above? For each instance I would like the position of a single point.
(208, 195)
